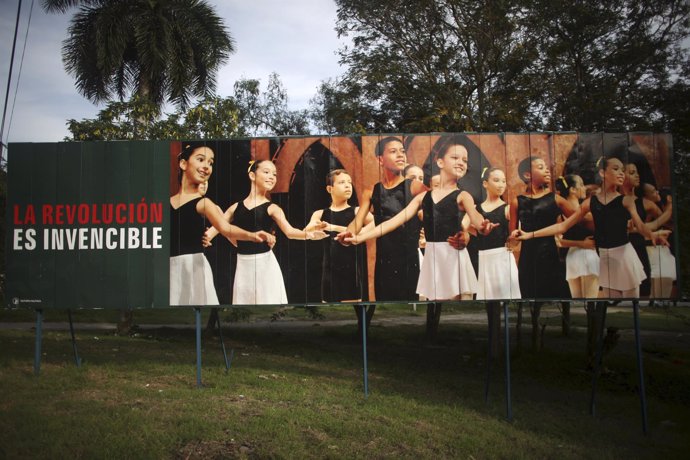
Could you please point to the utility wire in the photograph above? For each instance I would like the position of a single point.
(21, 66)
(9, 79)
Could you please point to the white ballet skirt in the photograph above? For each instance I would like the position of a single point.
(498, 275)
(191, 281)
(258, 280)
(662, 262)
(446, 272)
(581, 262)
(620, 268)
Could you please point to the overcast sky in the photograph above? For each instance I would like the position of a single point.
(294, 38)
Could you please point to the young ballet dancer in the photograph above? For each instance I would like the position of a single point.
(497, 270)
(649, 212)
(582, 260)
(397, 260)
(620, 270)
(191, 278)
(343, 276)
(446, 272)
(661, 261)
(258, 278)
(540, 269)
(498, 273)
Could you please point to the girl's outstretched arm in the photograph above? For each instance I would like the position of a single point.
(662, 217)
(315, 223)
(391, 224)
(209, 209)
(291, 232)
(356, 225)
(466, 202)
(657, 237)
(211, 232)
(551, 230)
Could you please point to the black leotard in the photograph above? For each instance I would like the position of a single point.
(541, 271)
(187, 228)
(442, 219)
(344, 275)
(253, 220)
(397, 260)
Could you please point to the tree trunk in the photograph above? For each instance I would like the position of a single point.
(565, 318)
(126, 324)
(535, 311)
(213, 319)
(518, 328)
(370, 310)
(433, 318)
(493, 315)
(594, 330)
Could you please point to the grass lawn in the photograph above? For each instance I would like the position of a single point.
(297, 392)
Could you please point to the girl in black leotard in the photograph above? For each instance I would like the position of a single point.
(541, 272)
(620, 270)
(258, 279)
(446, 272)
(498, 272)
(191, 279)
(397, 261)
(649, 212)
(582, 261)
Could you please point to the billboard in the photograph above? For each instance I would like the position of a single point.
(295, 220)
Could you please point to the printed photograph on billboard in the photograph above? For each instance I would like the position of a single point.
(373, 218)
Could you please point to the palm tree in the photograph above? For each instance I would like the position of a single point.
(158, 50)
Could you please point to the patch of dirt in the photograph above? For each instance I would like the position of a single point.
(197, 450)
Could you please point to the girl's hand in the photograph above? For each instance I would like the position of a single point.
(343, 238)
(263, 236)
(486, 227)
(319, 225)
(518, 234)
(669, 204)
(459, 240)
(559, 240)
(348, 240)
(206, 239)
(316, 235)
(588, 243)
(661, 237)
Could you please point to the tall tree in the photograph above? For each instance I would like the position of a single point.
(606, 65)
(431, 65)
(460, 65)
(267, 112)
(160, 50)
(249, 111)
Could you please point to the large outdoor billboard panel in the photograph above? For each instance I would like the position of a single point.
(297, 220)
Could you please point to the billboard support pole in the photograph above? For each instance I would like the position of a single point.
(364, 350)
(197, 313)
(598, 358)
(640, 369)
(488, 359)
(39, 339)
(228, 362)
(509, 404)
(77, 359)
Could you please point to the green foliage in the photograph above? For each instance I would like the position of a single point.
(250, 111)
(502, 65)
(161, 51)
(267, 113)
(237, 314)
